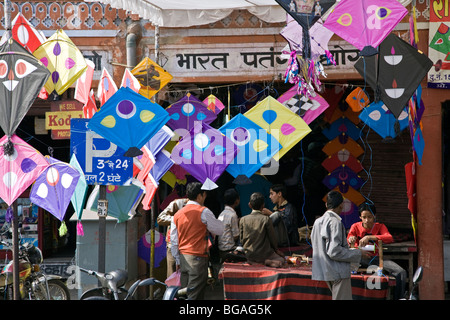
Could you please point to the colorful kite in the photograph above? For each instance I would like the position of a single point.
(357, 100)
(90, 108)
(79, 196)
(26, 34)
(63, 59)
(365, 23)
(342, 126)
(256, 146)
(306, 13)
(159, 140)
(54, 188)
(151, 77)
(284, 125)
(186, 111)
(441, 39)
(343, 176)
(396, 74)
(214, 104)
(22, 76)
(342, 158)
(378, 117)
(320, 36)
(309, 108)
(83, 84)
(205, 153)
(19, 169)
(130, 81)
(343, 141)
(121, 200)
(129, 120)
(106, 87)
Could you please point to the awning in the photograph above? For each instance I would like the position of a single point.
(187, 13)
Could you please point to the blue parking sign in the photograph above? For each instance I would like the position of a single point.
(102, 161)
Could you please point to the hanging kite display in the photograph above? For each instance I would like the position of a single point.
(343, 176)
(54, 188)
(441, 39)
(205, 153)
(378, 117)
(129, 120)
(365, 23)
(26, 34)
(22, 76)
(284, 125)
(256, 147)
(308, 108)
(79, 196)
(393, 78)
(18, 169)
(151, 77)
(159, 140)
(63, 59)
(186, 111)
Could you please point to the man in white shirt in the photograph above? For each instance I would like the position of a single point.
(230, 236)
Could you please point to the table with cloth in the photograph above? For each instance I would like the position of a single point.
(243, 281)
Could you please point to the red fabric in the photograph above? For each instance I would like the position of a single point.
(257, 282)
(192, 233)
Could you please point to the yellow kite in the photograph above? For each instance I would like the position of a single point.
(151, 77)
(63, 59)
(286, 126)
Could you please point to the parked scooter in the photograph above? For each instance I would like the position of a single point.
(416, 279)
(34, 283)
(111, 285)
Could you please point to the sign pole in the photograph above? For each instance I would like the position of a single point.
(102, 211)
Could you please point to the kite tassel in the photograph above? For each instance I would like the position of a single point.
(330, 59)
(80, 231)
(8, 148)
(9, 215)
(62, 229)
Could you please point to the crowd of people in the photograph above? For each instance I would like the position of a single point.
(193, 229)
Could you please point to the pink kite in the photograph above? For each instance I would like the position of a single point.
(19, 170)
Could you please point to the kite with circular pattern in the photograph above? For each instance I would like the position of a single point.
(129, 120)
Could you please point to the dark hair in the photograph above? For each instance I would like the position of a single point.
(279, 188)
(367, 207)
(334, 199)
(230, 196)
(193, 189)
(257, 201)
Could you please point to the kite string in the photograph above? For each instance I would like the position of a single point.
(304, 191)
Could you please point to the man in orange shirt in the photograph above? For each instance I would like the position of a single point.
(189, 233)
(367, 231)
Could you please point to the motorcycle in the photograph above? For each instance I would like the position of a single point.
(34, 283)
(111, 285)
(416, 279)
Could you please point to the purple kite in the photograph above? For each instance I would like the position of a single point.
(54, 188)
(205, 153)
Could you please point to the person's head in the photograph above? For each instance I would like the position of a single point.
(194, 192)
(335, 201)
(231, 197)
(256, 201)
(277, 193)
(367, 214)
